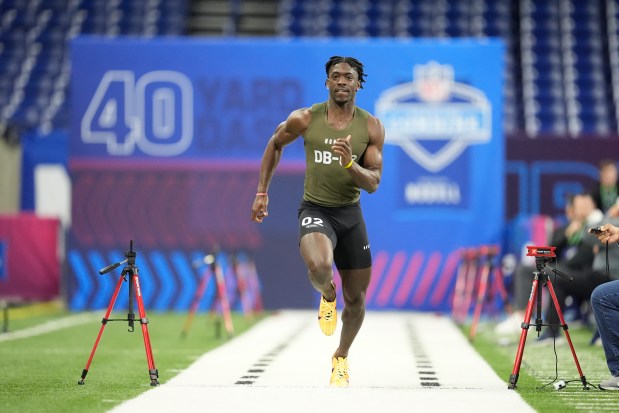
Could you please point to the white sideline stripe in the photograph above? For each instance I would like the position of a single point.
(287, 361)
(48, 327)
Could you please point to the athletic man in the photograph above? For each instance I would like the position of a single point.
(343, 151)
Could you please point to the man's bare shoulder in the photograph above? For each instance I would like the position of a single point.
(376, 130)
(299, 119)
(300, 114)
(374, 121)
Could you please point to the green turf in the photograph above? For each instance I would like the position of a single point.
(41, 373)
(19, 317)
(539, 367)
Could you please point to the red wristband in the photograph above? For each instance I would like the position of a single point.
(261, 194)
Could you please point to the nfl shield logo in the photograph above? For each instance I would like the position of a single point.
(434, 108)
(435, 81)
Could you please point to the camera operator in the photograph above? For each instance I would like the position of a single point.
(575, 257)
(605, 305)
(605, 193)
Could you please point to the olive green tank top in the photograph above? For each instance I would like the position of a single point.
(327, 182)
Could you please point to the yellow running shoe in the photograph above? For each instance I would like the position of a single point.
(327, 315)
(339, 372)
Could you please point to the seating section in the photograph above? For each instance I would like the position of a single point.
(34, 59)
(562, 61)
(561, 76)
(565, 68)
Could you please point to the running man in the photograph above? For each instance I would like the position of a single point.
(343, 152)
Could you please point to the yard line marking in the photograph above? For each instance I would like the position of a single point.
(50, 326)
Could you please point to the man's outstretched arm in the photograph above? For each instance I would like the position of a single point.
(285, 133)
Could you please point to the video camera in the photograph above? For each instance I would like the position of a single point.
(544, 252)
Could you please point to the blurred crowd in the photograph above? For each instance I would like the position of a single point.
(578, 254)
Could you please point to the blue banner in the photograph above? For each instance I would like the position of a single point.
(442, 189)
(3, 263)
(196, 104)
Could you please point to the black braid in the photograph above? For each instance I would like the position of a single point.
(354, 63)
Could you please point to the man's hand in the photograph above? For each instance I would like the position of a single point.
(259, 209)
(343, 149)
(609, 233)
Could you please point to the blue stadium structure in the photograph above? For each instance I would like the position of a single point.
(34, 62)
(562, 65)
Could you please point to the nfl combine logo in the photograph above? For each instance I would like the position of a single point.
(434, 108)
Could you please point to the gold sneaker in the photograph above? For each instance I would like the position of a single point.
(339, 372)
(327, 315)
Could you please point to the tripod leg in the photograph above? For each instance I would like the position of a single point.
(223, 300)
(196, 302)
(242, 287)
(481, 295)
(513, 378)
(469, 288)
(152, 371)
(499, 282)
(254, 283)
(106, 317)
(459, 289)
(567, 334)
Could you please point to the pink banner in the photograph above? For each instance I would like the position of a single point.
(30, 267)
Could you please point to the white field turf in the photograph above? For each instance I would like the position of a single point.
(400, 362)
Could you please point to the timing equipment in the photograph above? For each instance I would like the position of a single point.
(212, 269)
(129, 274)
(542, 257)
(490, 278)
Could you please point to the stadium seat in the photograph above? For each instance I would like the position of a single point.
(551, 45)
(557, 49)
(33, 47)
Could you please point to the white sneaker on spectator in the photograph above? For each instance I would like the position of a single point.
(610, 384)
(511, 325)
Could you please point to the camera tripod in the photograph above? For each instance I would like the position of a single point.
(465, 282)
(491, 277)
(542, 256)
(129, 274)
(212, 269)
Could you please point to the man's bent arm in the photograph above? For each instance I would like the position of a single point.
(285, 133)
(367, 176)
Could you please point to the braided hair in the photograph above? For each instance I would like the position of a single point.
(354, 63)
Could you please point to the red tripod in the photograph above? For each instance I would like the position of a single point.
(491, 278)
(465, 283)
(221, 296)
(135, 293)
(542, 256)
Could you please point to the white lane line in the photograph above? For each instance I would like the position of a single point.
(50, 326)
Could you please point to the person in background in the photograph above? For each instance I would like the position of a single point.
(575, 254)
(605, 193)
(605, 305)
